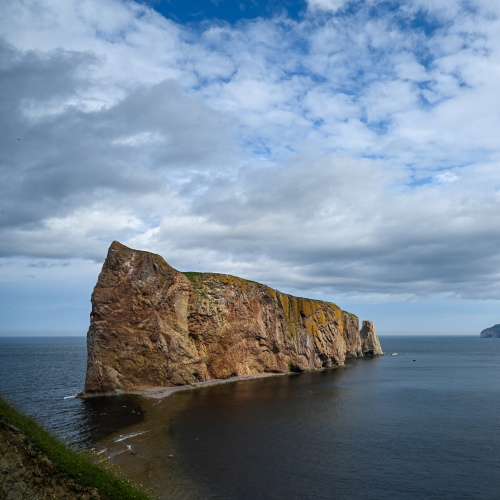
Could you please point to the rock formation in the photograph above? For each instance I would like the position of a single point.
(370, 344)
(153, 326)
(491, 333)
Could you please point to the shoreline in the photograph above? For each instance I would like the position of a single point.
(164, 392)
(160, 392)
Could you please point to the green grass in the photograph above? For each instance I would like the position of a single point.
(70, 463)
(193, 274)
(190, 274)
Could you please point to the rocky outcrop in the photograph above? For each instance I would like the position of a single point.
(370, 343)
(351, 334)
(153, 326)
(491, 333)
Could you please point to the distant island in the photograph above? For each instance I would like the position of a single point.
(491, 333)
(153, 327)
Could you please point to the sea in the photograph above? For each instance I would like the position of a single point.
(420, 424)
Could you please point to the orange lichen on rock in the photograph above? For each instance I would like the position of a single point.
(153, 326)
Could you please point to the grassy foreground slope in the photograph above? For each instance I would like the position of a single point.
(38, 454)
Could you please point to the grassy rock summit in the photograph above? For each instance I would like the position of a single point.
(153, 326)
(492, 332)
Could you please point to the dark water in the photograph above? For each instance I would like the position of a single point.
(38, 373)
(382, 428)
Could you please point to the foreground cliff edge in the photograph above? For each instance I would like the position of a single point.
(154, 327)
(35, 465)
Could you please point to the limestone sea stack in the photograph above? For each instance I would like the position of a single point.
(491, 333)
(153, 326)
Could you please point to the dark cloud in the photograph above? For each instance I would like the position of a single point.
(44, 264)
(339, 225)
(352, 158)
(70, 157)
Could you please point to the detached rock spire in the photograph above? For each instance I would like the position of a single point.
(152, 326)
(370, 343)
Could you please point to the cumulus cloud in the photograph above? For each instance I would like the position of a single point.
(353, 154)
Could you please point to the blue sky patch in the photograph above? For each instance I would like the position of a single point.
(231, 11)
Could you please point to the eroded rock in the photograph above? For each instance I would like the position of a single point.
(153, 326)
(370, 343)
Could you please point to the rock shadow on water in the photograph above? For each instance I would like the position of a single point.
(102, 416)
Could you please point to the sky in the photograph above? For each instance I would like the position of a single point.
(333, 149)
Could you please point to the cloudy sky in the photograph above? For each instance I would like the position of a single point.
(344, 150)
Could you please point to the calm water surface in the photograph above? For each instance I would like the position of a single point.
(382, 428)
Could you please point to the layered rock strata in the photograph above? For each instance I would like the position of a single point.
(153, 326)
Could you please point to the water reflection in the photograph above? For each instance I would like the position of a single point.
(211, 442)
(384, 428)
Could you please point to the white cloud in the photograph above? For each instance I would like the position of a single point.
(446, 177)
(347, 154)
(328, 5)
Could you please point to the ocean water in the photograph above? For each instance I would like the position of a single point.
(422, 424)
(43, 374)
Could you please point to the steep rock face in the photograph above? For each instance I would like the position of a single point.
(154, 326)
(370, 343)
(491, 333)
(351, 335)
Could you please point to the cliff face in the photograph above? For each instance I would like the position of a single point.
(154, 326)
(492, 332)
(370, 344)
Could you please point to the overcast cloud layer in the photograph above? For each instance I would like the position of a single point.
(354, 152)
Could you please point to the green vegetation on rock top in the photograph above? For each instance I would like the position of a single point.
(312, 300)
(192, 274)
(195, 274)
(70, 463)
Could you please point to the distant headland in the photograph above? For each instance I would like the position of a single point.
(154, 328)
(491, 333)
